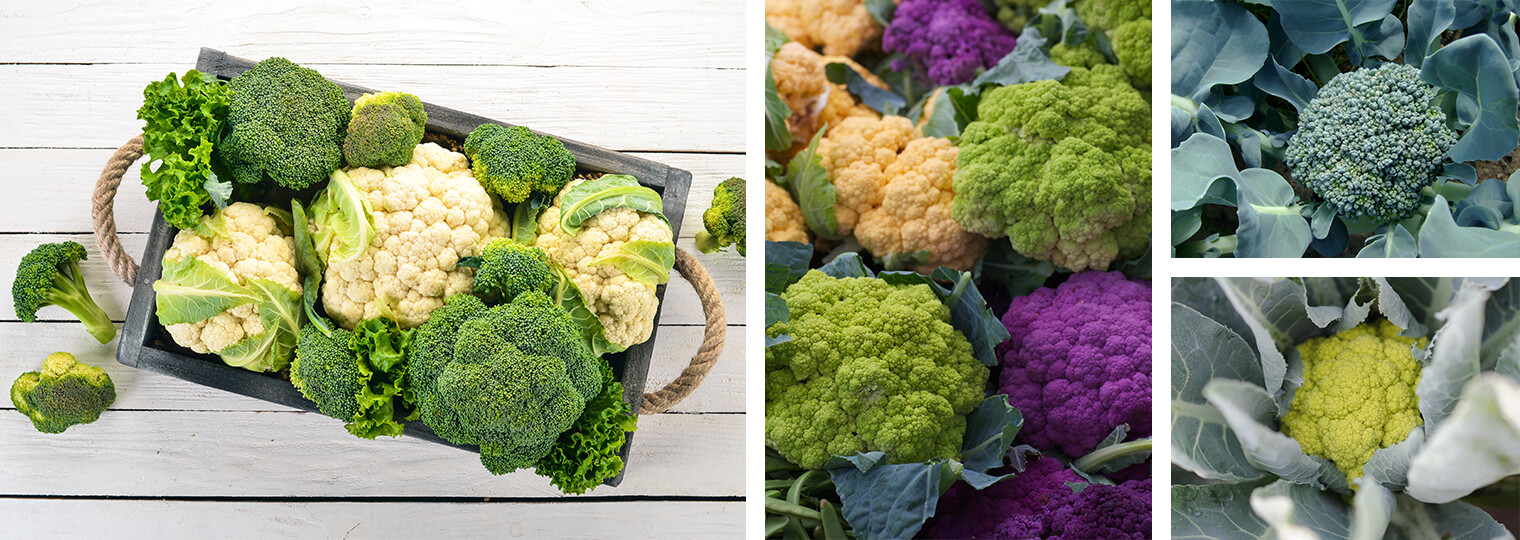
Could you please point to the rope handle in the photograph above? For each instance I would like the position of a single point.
(102, 212)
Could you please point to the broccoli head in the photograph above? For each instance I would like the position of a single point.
(353, 376)
(66, 392)
(50, 276)
(587, 453)
(1061, 168)
(384, 130)
(286, 123)
(507, 269)
(1370, 141)
(724, 221)
(510, 378)
(871, 366)
(1358, 395)
(513, 163)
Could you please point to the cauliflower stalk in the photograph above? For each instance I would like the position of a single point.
(428, 215)
(232, 289)
(612, 242)
(1358, 395)
(894, 193)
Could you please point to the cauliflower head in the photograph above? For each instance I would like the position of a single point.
(1061, 168)
(429, 214)
(894, 192)
(946, 41)
(1132, 45)
(247, 244)
(871, 366)
(783, 218)
(1358, 395)
(815, 102)
(1038, 502)
(841, 27)
(624, 305)
(1079, 361)
(1370, 141)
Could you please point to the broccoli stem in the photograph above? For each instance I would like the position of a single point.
(707, 243)
(69, 293)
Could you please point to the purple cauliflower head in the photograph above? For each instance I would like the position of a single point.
(946, 40)
(1118, 512)
(1079, 361)
(1039, 503)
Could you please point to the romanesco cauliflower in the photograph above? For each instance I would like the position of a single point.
(871, 366)
(1358, 395)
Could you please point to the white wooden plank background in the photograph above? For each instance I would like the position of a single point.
(660, 78)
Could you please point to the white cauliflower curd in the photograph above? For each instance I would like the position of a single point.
(428, 215)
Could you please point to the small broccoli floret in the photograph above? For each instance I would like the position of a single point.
(1370, 141)
(724, 221)
(1358, 395)
(287, 123)
(353, 376)
(508, 269)
(510, 379)
(514, 164)
(587, 453)
(384, 130)
(50, 276)
(871, 366)
(66, 392)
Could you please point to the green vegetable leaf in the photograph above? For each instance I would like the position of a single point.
(1475, 446)
(1252, 414)
(280, 311)
(644, 261)
(525, 221)
(1390, 466)
(810, 186)
(1215, 511)
(990, 430)
(567, 295)
(1453, 355)
(886, 501)
(344, 219)
(1301, 512)
(1027, 62)
(1476, 67)
(309, 262)
(775, 312)
(785, 263)
(589, 198)
(182, 126)
(1203, 350)
(382, 344)
(1441, 237)
(193, 291)
(1279, 315)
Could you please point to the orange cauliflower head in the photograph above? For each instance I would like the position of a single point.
(783, 218)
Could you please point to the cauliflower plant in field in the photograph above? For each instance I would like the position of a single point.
(428, 215)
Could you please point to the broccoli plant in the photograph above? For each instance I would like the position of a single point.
(1361, 132)
(505, 269)
(1342, 407)
(384, 130)
(285, 123)
(65, 393)
(50, 276)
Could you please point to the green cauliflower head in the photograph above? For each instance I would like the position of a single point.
(1061, 168)
(1358, 395)
(66, 392)
(871, 366)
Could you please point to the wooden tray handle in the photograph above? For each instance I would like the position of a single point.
(102, 212)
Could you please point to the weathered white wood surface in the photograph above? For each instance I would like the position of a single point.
(347, 520)
(661, 78)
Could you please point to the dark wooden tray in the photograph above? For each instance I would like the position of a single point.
(146, 345)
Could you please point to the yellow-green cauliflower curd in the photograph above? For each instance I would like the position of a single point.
(624, 304)
(245, 244)
(428, 214)
(1358, 395)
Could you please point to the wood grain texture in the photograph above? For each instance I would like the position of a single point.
(356, 521)
(297, 454)
(660, 109)
(676, 33)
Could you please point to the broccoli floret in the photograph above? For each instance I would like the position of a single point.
(587, 453)
(1132, 45)
(353, 376)
(1061, 168)
(50, 276)
(1370, 141)
(384, 130)
(287, 123)
(511, 379)
(66, 392)
(507, 269)
(871, 366)
(513, 163)
(724, 221)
